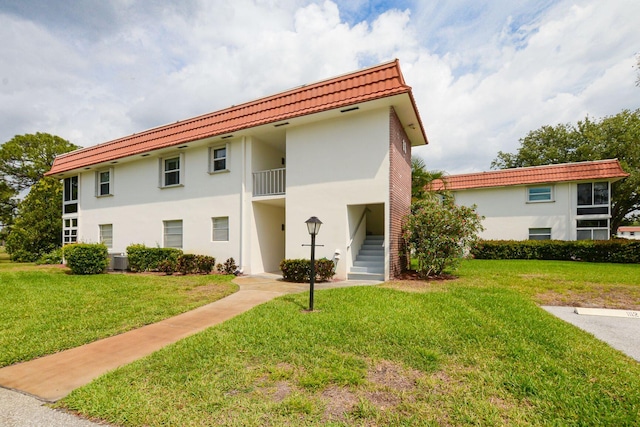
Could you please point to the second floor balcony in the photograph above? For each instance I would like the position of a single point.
(269, 183)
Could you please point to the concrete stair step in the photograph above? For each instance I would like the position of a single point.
(371, 252)
(374, 258)
(365, 276)
(358, 269)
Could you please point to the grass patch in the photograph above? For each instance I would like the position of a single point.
(475, 351)
(44, 310)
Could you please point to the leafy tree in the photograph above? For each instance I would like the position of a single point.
(23, 162)
(25, 158)
(37, 229)
(608, 138)
(421, 178)
(438, 232)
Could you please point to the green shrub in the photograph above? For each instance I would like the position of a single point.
(438, 232)
(86, 258)
(167, 266)
(617, 250)
(187, 264)
(299, 270)
(205, 264)
(229, 266)
(20, 255)
(142, 258)
(53, 257)
(192, 264)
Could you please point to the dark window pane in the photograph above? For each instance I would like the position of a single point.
(172, 164)
(584, 194)
(600, 193)
(172, 178)
(219, 165)
(104, 189)
(71, 208)
(593, 211)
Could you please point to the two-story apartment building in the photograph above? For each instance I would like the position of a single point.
(241, 182)
(570, 201)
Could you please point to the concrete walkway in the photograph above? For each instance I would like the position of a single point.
(53, 377)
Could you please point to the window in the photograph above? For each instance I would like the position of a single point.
(593, 198)
(218, 157)
(539, 233)
(539, 194)
(220, 229)
(592, 229)
(172, 171)
(103, 182)
(173, 234)
(106, 235)
(70, 197)
(69, 231)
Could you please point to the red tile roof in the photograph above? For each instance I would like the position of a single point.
(599, 169)
(372, 83)
(628, 228)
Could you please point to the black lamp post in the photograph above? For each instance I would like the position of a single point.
(313, 225)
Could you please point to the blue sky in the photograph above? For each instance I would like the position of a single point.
(484, 72)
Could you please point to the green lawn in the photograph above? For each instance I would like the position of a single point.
(44, 310)
(473, 351)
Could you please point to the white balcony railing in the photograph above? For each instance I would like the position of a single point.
(269, 183)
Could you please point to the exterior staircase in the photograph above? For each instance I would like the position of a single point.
(369, 264)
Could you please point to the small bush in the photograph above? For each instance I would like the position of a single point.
(53, 257)
(187, 264)
(142, 258)
(229, 266)
(299, 270)
(167, 266)
(192, 264)
(20, 255)
(205, 263)
(86, 258)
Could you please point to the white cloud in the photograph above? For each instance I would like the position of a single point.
(484, 73)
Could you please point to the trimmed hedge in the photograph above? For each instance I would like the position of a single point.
(617, 250)
(142, 258)
(299, 270)
(86, 258)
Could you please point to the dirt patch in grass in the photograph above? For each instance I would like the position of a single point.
(339, 401)
(594, 296)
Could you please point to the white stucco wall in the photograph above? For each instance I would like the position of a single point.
(139, 206)
(509, 216)
(331, 165)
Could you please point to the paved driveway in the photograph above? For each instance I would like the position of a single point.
(621, 333)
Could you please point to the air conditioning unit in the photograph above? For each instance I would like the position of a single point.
(120, 263)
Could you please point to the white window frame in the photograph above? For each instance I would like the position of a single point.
(69, 230)
(99, 183)
(540, 232)
(179, 170)
(592, 229)
(213, 160)
(593, 194)
(220, 230)
(67, 199)
(169, 229)
(540, 187)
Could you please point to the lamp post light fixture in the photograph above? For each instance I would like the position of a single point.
(313, 225)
